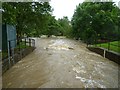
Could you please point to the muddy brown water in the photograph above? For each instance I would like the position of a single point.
(62, 63)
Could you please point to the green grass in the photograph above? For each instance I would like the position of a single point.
(22, 46)
(114, 46)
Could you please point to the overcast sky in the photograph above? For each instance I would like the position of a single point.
(65, 7)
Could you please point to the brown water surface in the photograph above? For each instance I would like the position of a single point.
(62, 63)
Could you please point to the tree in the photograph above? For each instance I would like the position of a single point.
(29, 17)
(97, 18)
(65, 26)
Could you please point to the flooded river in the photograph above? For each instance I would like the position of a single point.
(62, 63)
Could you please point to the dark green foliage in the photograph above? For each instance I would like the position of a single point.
(30, 18)
(65, 26)
(34, 19)
(96, 20)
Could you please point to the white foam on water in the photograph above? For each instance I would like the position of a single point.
(89, 82)
(59, 45)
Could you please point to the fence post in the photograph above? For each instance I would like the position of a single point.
(108, 45)
(9, 54)
(34, 43)
(19, 44)
(20, 50)
(104, 53)
(25, 42)
(13, 56)
(30, 42)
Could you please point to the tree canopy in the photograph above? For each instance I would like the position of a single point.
(34, 19)
(91, 20)
(95, 20)
(29, 17)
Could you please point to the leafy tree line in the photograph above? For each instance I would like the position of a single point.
(29, 17)
(65, 26)
(93, 21)
(34, 19)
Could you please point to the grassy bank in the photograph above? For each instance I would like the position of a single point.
(113, 46)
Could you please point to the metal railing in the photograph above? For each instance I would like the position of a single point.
(25, 46)
(113, 46)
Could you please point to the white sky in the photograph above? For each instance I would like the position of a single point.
(65, 7)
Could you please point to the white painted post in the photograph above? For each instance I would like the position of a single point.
(104, 53)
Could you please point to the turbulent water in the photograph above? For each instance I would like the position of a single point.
(62, 63)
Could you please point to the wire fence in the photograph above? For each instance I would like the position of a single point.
(13, 55)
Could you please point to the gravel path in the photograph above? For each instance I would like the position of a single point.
(62, 63)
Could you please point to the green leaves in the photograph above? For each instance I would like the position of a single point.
(98, 17)
(65, 26)
(29, 17)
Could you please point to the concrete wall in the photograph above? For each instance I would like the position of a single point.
(107, 54)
